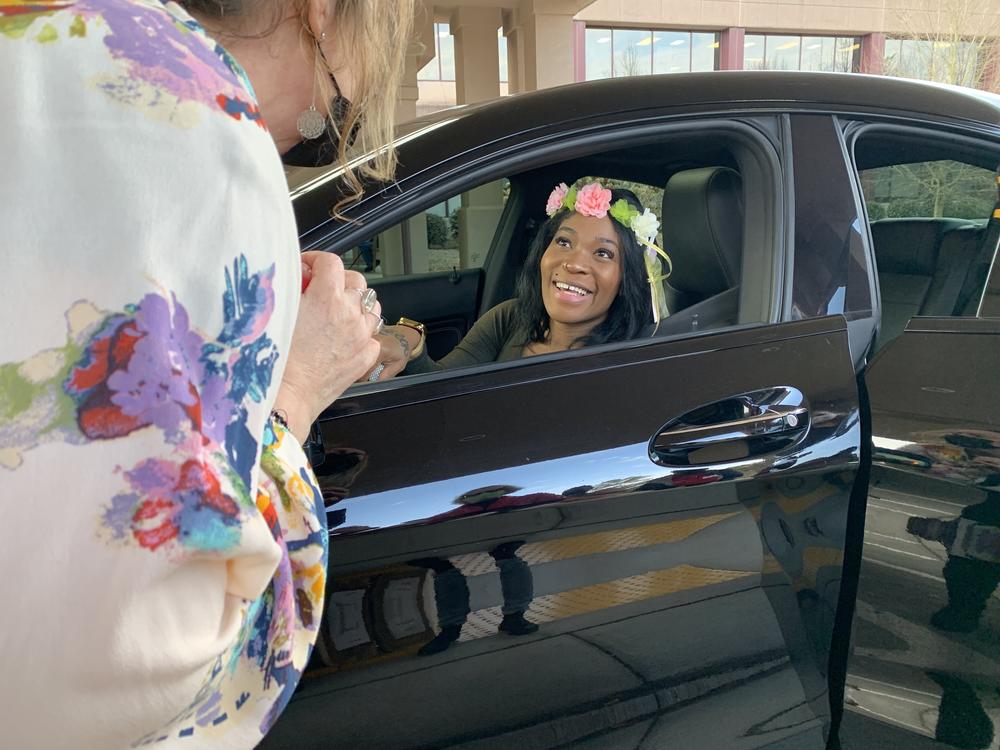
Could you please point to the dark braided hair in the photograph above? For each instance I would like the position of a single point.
(630, 311)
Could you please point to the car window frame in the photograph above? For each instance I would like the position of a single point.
(955, 136)
(757, 142)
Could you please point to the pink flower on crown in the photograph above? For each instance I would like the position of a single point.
(556, 198)
(593, 200)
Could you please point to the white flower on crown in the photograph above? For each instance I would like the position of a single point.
(645, 226)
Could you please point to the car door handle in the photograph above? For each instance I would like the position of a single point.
(741, 426)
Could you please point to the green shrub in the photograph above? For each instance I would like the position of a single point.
(437, 231)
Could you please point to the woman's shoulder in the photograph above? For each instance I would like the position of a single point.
(147, 56)
(504, 315)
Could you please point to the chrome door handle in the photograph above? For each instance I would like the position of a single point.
(740, 426)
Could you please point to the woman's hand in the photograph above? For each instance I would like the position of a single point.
(392, 356)
(332, 345)
(395, 345)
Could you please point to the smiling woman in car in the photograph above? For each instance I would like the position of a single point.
(587, 280)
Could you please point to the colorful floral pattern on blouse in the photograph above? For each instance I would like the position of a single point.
(147, 368)
(173, 537)
(150, 65)
(269, 655)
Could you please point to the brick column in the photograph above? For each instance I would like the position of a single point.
(731, 48)
(477, 65)
(409, 90)
(548, 38)
(515, 52)
(579, 51)
(872, 54)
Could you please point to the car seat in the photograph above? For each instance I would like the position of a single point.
(703, 235)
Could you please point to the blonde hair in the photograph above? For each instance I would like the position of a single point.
(377, 32)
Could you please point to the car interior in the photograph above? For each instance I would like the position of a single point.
(694, 184)
(929, 265)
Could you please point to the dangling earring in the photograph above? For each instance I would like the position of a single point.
(311, 124)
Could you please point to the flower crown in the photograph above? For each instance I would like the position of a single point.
(593, 199)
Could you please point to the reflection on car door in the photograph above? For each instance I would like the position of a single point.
(925, 655)
(639, 546)
(925, 647)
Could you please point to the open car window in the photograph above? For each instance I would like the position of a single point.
(932, 211)
(456, 260)
(453, 233)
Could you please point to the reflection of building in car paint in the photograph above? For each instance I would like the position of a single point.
(803, 530)
(370, 616)
(426, 605)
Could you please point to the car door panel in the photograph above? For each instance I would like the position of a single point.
(925, 653)
(446, 303)
(479, 507)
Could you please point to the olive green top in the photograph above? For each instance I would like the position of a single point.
(493, 338)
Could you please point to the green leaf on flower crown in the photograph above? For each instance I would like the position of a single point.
(570, 200)
(623, 212)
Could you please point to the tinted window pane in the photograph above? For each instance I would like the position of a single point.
(931, 189)
(598, 47)
(446, 45)
(429, 72)
(892, 64)
(633, 53)
(671, 52)
(753, 52)
(783, 52)
(846, 49)
(432, 70)
(704, 52)
(812, 53)
(917, 58)
(962, 64)
(502, 52)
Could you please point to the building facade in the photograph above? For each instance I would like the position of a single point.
(471, 51)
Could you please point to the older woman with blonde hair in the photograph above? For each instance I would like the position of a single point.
(164, 539)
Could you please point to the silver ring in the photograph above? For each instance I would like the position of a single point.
(376, 372)
(368, 298)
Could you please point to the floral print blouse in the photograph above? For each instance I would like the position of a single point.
(163, 541)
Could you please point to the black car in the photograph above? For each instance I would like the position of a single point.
(782, 502)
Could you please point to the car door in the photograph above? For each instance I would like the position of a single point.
(925, 656)
(635, 545)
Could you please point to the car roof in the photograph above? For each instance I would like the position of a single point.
(427, 141)
(755, 88)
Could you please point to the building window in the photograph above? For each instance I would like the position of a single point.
(959, 62)
(442, 67)
(819, 53)
(615, 53)
(502, 48)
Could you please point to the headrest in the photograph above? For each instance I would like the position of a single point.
(703, 231)
(909, 246)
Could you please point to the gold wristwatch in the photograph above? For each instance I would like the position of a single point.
(419, 328)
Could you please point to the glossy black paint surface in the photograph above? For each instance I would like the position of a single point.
(832, 270)
(926, 643)
(657, 598)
